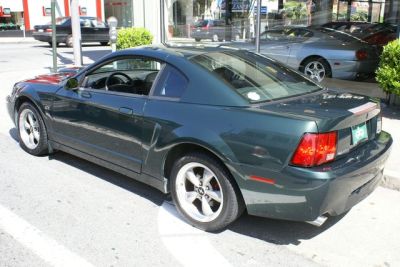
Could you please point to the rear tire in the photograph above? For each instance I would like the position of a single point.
(197, 39)
(203, 192)
(32, 131)
(316, 68)
(104, 43)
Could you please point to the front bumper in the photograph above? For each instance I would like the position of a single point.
(303, 194)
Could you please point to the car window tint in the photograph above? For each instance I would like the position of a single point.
(172, 83)
(254, 77)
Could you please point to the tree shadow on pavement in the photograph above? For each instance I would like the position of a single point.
(280, 232)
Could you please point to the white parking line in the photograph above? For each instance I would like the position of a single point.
(32, 238)
(188, 245)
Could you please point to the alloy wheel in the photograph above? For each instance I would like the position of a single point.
(315, 70)
(199, 192)
(29, 129)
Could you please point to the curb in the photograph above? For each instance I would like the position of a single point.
(391, 180)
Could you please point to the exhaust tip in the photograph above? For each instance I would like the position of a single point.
(319, 221)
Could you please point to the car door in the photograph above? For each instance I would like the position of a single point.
(276, 45)
(100, 31)
(87, 31)
(106, 121)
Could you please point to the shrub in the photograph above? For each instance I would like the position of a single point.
(131, 37)
(388, 73)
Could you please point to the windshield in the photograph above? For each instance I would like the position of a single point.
(255, 77)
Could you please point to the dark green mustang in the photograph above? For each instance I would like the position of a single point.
(222, 130)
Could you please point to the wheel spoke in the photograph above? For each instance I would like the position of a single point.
(36, 134)
(26, 125)
(207, 176)
(216, 195)
(193, 178)
(191, 196)
(31, 138)
(205, 206)
(30, 119)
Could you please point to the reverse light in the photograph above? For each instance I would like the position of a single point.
(361, 54)
(315, 149)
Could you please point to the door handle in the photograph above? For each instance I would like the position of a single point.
(86, 94)
(126, 111)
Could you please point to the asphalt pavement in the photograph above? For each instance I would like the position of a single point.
(64, 211)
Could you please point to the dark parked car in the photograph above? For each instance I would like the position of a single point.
(92, 30)
(373, 33)
(222, 129)
(212, 29)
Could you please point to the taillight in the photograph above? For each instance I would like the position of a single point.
(205, 27)
(48, 30)
(315, 149)
(361, 54)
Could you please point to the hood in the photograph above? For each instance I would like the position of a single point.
(53, 78)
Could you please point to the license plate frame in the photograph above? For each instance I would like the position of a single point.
(359, 133)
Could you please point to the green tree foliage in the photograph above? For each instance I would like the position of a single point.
(388, 73)
(131, 37)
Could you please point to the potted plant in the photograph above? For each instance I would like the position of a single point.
(388, 72)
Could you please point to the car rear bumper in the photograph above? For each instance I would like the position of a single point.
(351, 70)
(303, 194)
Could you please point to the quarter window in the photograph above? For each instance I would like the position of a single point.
(172, 83)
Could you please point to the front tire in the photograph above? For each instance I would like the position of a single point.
(203, 192)
(32, 131)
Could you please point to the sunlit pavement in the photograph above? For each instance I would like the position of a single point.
(65, 211)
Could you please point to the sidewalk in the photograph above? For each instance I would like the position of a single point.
(17, 40)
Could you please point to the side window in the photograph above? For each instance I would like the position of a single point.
(172, 83)
(133, 75)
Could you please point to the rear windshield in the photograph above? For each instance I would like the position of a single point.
(255, 77)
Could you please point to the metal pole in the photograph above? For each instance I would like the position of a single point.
(258, 26)
(54, 34)
(76, 32)
(162, 24)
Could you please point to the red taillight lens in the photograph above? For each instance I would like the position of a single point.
(315, 149)
(361, 54)
(48, 30)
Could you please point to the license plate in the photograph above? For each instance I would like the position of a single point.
(40, 30)
(359, 133)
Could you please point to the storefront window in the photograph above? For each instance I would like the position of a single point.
(121, 9)
(339, 39)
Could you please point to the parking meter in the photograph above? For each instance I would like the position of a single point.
(112, 24)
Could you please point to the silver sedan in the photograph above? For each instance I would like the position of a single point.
(320, 52)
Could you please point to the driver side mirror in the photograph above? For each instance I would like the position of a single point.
(71, 84)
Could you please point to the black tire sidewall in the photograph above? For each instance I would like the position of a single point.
(231, 208)
(42, 147)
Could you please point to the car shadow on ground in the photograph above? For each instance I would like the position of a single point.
(277, 232)
(280, 232)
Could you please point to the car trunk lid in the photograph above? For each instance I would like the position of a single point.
(354, 117)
